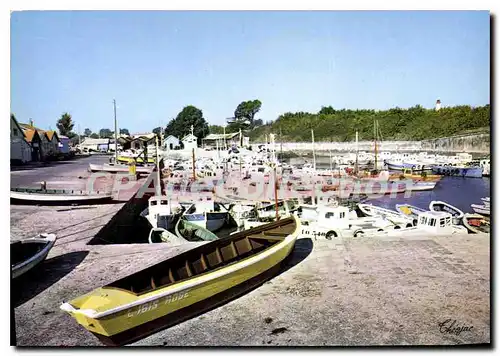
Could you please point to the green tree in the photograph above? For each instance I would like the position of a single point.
(65, 124)
(124, 132)
(216, 129)
(414, 123)
(157, 131)
(327, 110)
(181, 125)
(87, 132)
(105, 133)
(94, 135)
(244, 115)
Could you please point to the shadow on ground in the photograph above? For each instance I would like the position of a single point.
(302, 249)
(43, 276)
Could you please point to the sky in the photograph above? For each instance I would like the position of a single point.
(155, 63)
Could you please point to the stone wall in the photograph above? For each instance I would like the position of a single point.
(475, 143)
(478, 143)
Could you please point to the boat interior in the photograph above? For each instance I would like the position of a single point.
(20, 252)
(207, 258)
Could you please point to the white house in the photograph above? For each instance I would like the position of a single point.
(190, 141)
(20, 149)
(171, 143)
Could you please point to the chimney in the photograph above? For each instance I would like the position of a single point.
(438, 105)
(31, 122)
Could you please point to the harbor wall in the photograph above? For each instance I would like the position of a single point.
(473, 143)
(478, 143)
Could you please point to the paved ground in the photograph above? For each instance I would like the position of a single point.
(60, 171)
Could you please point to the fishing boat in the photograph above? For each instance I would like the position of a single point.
(477, 223)
(193, 232)
(26, 254)
(418, 186)
(486, 201)
(481, 209)
(458, 171)
(207, 214)
(41, 195)
(162, 212)
(409, 210)
(433, 223)
(456, 213)
(332, 221)
(118, 168)
(185, 285)
(408, 174)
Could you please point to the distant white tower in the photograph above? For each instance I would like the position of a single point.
(438, 105)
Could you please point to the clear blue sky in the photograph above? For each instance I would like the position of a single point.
(155, 63)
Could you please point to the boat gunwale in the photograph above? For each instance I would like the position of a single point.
(195, 280)
(49, 242)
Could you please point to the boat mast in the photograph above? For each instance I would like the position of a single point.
(158, 178)
(375, 138)
(116, 133)
(314, 155)
(356, 163)
(281, 145)
(225, 147)
(194, 172)
(276, 192)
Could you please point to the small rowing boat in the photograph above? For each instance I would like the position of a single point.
(192, 232)
(185, 285)
(477, 223)
(26, 254)
(58, 195)
(118, 168)
(456, 213)
(377, 211)
(481, 209)
(409, 210)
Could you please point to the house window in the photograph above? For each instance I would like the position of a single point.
(14, 131)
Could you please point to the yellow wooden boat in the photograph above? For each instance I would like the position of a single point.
(185, 285)
(124, 159)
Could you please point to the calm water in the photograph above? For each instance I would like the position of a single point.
(457, 191)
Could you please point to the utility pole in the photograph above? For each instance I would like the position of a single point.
(116, 133)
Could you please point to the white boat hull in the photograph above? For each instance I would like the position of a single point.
(120, 168)
(54, 197)
(481, 209)
(456, 213)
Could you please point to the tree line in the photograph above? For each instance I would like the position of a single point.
(414, 123)
(329, 124)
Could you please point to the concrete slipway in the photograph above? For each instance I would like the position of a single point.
(352, 292)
